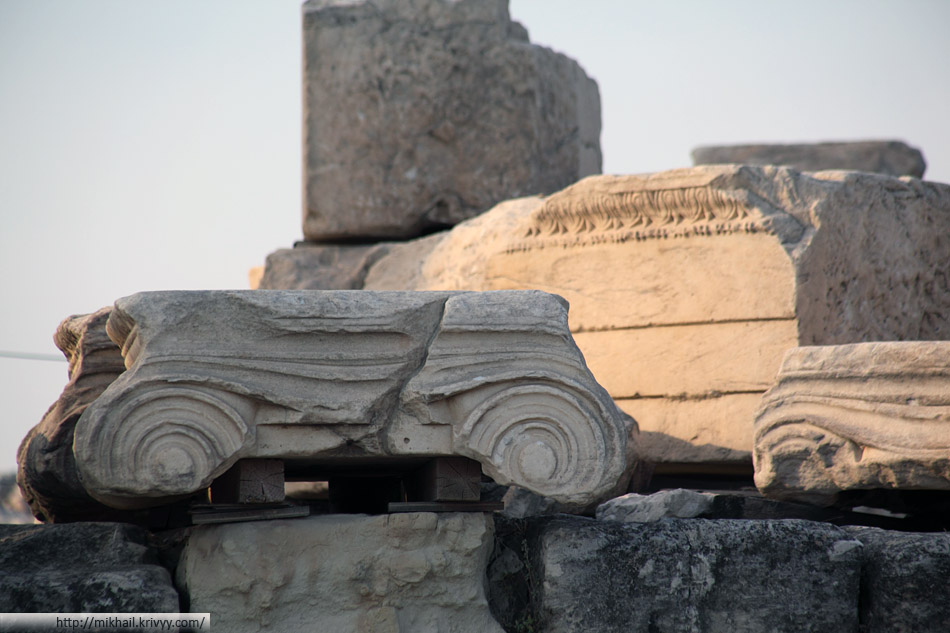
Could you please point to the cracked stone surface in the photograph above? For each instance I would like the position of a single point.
(905, 581)
(419, 114)
(82, 567)
(682, 575)
(867, 416)
(688, 286)
(335, 378)
(398, 573)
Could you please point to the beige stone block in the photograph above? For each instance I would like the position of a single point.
(835, 257)
(254, 276)
(715, 430)
(657, 281)
(688, 359)
(397, 573)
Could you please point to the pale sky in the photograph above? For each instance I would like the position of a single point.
(156, 145)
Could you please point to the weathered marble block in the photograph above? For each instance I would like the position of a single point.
(688, 286)
(893, 158)
(398, 573)
(856, 417)
(419, 114)
(330, 378)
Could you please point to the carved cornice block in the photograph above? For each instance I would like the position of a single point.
(687, 286)
(326, 377)
(856, 417)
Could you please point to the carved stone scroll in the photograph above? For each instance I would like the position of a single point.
(47, 472)
(325, 378)
(856, 417)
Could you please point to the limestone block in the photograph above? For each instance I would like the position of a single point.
(892, 158)
(47, 472)
(856, 417)
(687, 286)
(399, 573)
(254, 276)
(905, 581)
(82, 567)
(730, 357)
(693, 575)
(704, 429)
(421, 113)
(322, 378)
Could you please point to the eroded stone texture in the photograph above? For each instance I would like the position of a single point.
(323, 378)
(399, 573)
(421, 113)
(905, 584)
(82, 567)
(637, 508)
(319, 267)
(47, 472)
(892, 158)
(686, 287)
(856, 417)
(683, 503)
(692, 575)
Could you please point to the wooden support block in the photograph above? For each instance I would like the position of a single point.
(244, 512)
(446, 479)
(250, 481)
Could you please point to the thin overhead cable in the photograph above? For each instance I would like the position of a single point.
(31, 356)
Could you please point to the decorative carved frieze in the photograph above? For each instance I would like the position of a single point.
(678, 203)
(326, 377)
(687, 286)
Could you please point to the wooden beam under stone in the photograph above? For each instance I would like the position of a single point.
(250, 481)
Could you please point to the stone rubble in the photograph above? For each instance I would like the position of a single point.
(687, 288)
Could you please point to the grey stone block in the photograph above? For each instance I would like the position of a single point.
(693, 575)
(419, 114)
(893, 158)
(82, 567)
(905, 584)
(310, 266)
